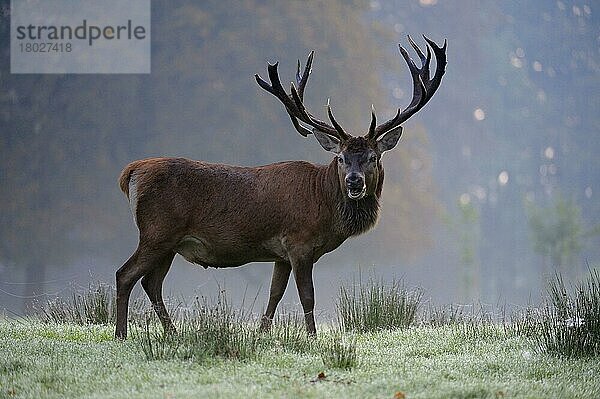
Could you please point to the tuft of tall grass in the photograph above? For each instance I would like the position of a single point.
(338, 351)
(289, 333)
(468, 321)
(207, 330)
(438, 316)
(476, 330)
(570, 321)
(154, 342)
(377, 306)
(96, 305)
(524, 322)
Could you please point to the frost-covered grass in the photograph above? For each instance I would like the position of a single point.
(40, 360)
(381, 347)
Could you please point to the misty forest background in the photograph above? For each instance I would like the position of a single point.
(494, 185)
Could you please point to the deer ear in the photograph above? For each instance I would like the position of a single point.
(328, 142)
(389, 140)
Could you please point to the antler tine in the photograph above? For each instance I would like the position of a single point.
(301, 129)
(305, 117)
(423, 86)
(275, 87)
(419, 90)
(373, 121)
(440, 59)
(294, 102)
(302, 79)
(337, 126)
(277, 90)
(424, 60)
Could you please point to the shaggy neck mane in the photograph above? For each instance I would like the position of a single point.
(354, 216)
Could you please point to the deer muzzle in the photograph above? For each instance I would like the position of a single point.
(355, 185)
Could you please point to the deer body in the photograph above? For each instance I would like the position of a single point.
(290, 213)
(219, 215)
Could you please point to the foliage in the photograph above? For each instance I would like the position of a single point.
(465, 227)
(404, 229)
(532, 69)
(556, 231)
(468, 218)
(376, 305)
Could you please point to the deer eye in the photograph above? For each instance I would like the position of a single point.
(373, 158)
(340, 160)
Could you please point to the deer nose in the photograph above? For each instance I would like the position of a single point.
(355, 180)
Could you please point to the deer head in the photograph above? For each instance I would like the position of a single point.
(358, 157)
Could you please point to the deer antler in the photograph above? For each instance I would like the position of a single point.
(423, 87)
(294, 102)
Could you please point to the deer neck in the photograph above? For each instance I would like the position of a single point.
(351, 217)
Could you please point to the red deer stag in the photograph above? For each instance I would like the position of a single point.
(290, 213)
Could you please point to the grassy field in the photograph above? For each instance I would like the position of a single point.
(41, 360)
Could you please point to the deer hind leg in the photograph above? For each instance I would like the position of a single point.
(143, 260)
(152, 283)
(279, 281)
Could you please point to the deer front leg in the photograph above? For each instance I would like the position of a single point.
(279, 281)
(306, 292)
